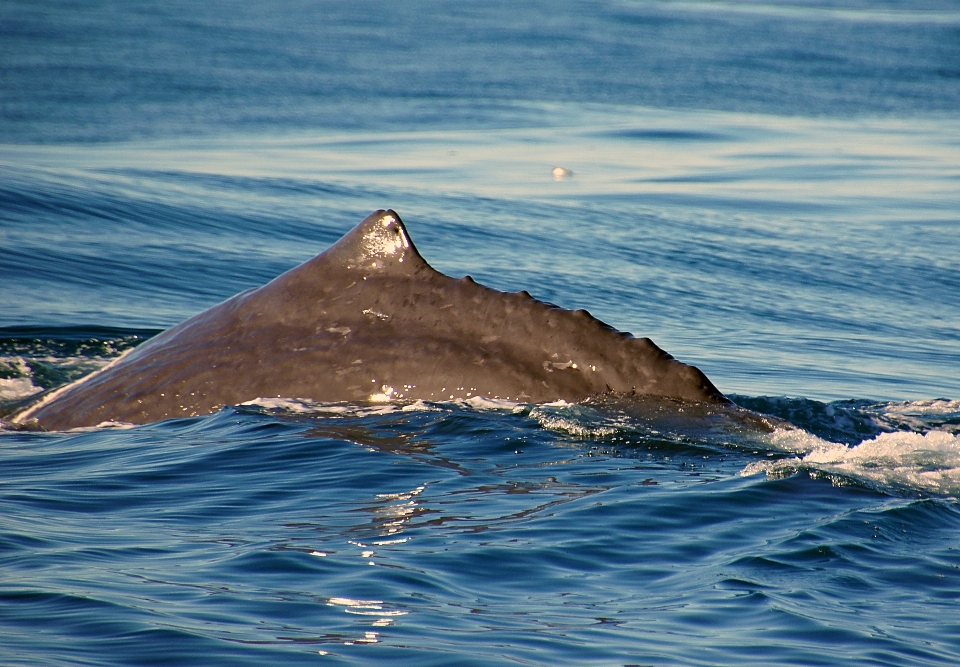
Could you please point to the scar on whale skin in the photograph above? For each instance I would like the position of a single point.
(369, 319)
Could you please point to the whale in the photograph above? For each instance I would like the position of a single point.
(370, 320)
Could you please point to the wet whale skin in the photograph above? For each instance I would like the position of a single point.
(370, 319)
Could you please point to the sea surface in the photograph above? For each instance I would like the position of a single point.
(769, 191)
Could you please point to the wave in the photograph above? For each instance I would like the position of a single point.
(34, 360)
(914, 446)
(896, 446)
(925, 462)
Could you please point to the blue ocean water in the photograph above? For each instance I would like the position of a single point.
(770, 191)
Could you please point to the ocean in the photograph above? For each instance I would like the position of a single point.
(769, 191)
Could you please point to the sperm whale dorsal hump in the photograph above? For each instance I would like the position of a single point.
(370, 319)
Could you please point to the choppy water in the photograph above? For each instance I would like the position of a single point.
(770, 192)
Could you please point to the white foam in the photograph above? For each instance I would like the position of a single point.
(13, 389)
(306, 406)
(115, 424)
(384, 396)
(795, 440)
(419, 405)
(484, 403)
(21, 385)
(26, 414)
(933, 407)
(386, 401)
(291, 404)
(927, 462)
(917, 415)
(572, 419)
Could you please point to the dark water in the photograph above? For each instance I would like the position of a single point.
(770, 192)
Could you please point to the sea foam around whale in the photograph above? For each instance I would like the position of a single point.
(767, 190)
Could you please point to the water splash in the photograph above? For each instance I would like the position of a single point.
(926, 462)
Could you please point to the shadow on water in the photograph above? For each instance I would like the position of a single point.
(900, 449)
(371, 426)
(608, 422)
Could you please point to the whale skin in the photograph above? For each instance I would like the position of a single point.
(370, 319)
